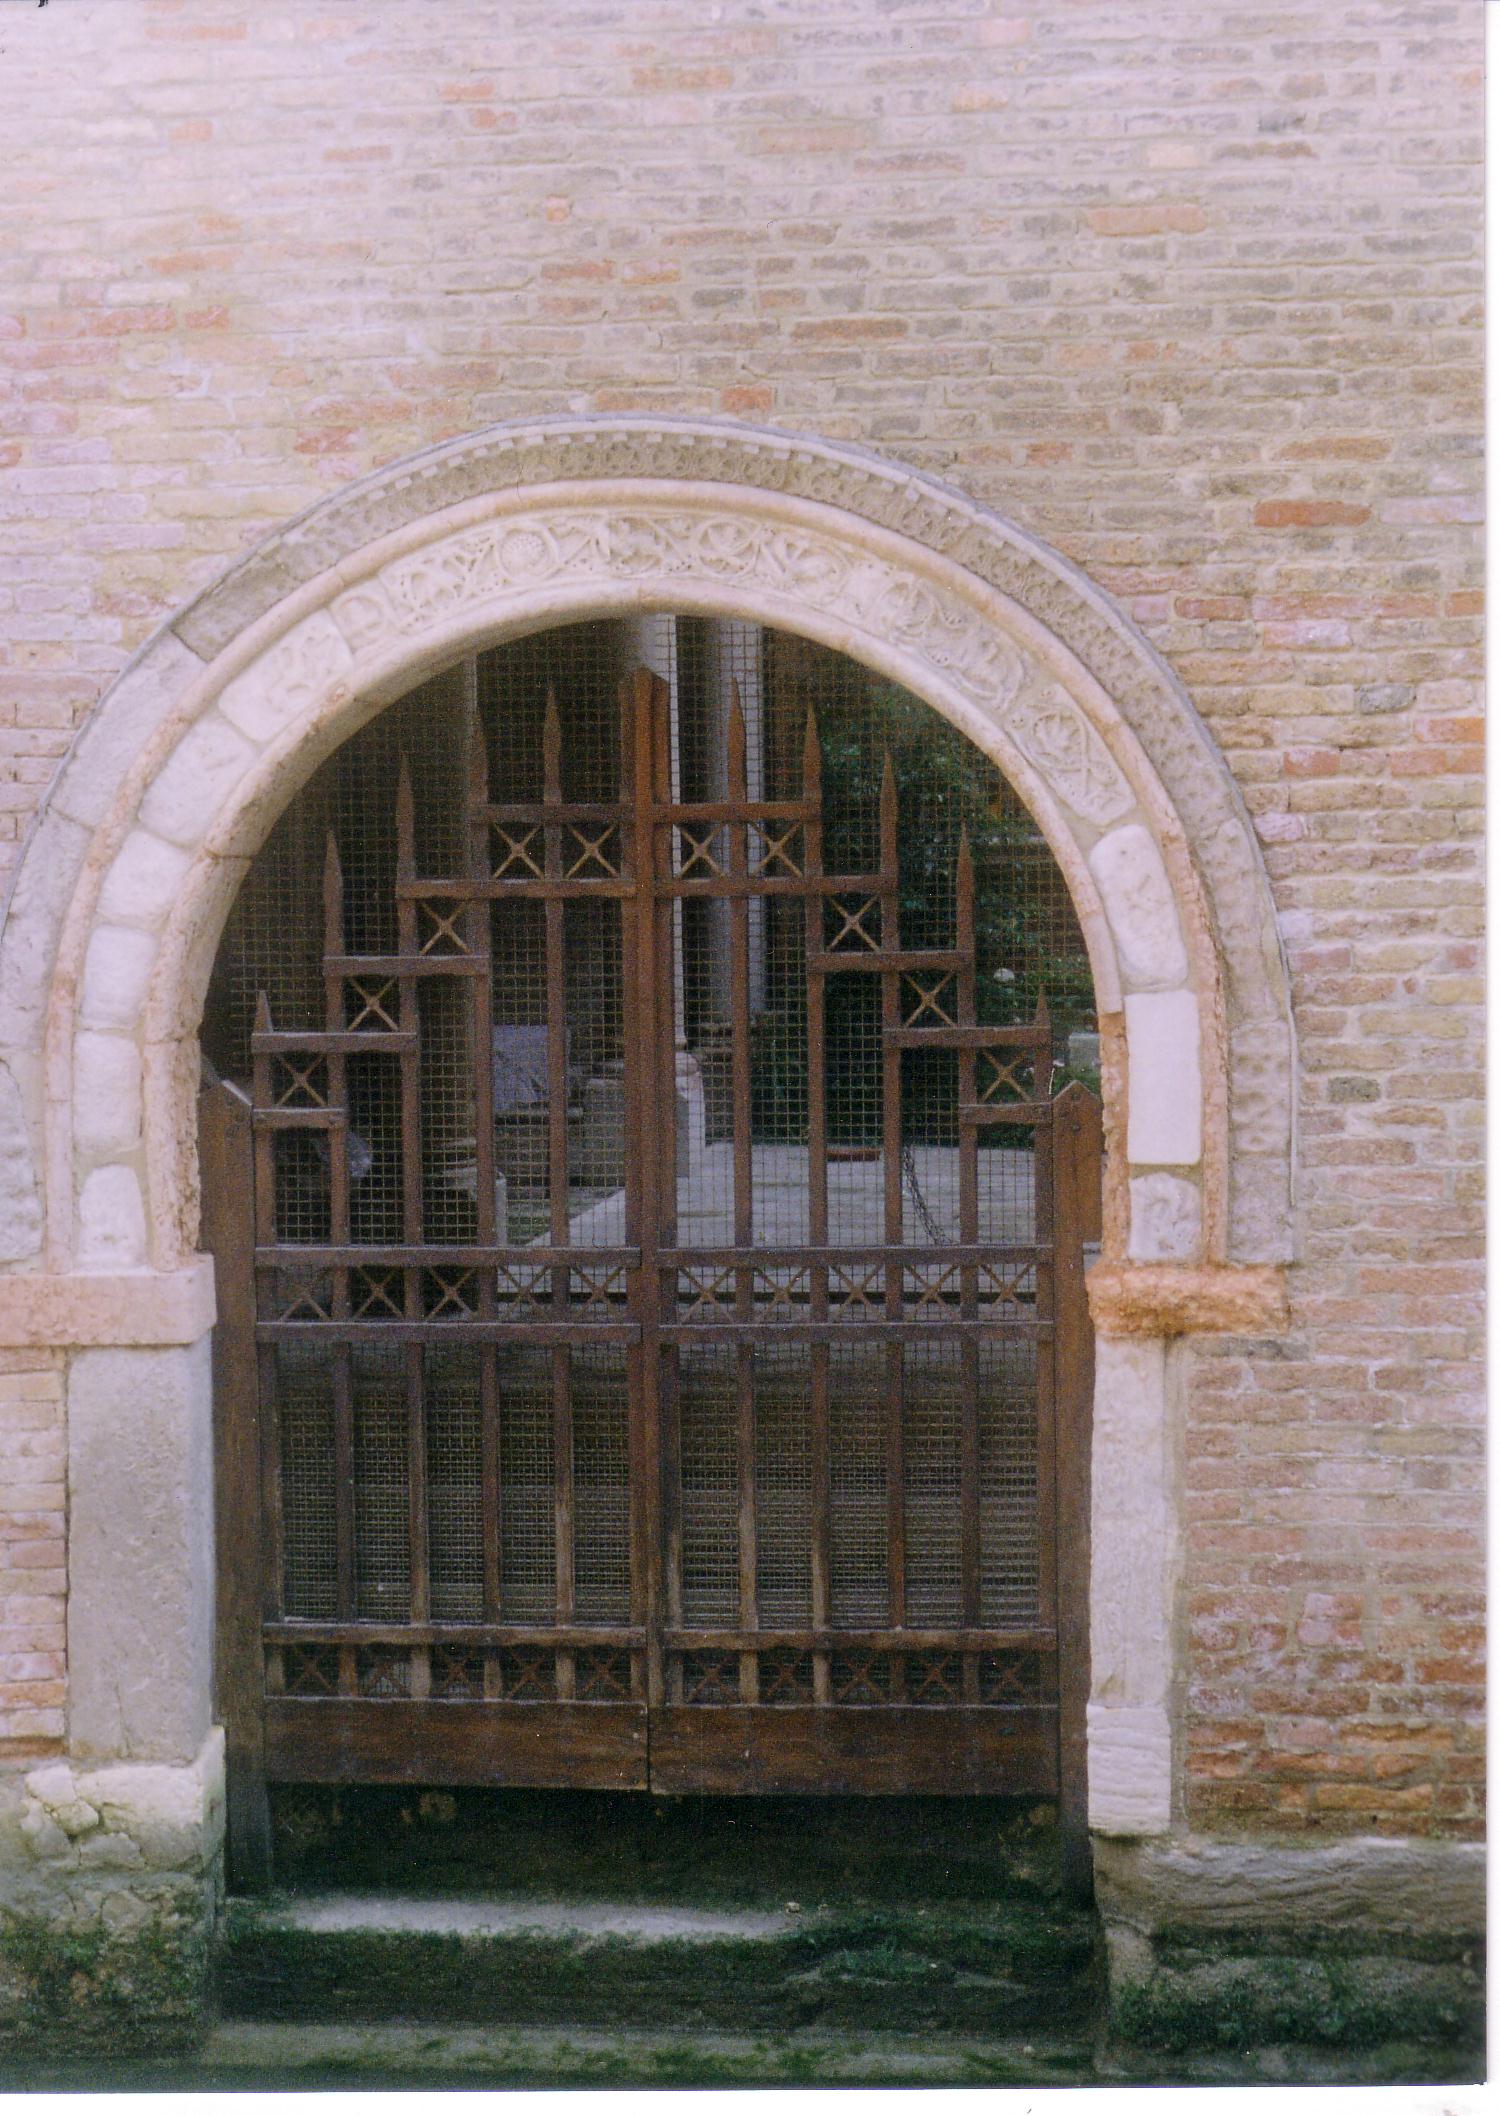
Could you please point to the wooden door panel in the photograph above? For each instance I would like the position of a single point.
(601, 1747)
(853, 1749)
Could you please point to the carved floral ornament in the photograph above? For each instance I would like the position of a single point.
(501, 560)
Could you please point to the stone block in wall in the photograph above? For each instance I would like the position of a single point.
(111, 1881)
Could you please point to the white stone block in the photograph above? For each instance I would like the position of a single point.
(173, 1814)
(1130, 1770)
(20, 1203)
(1166, 1219)
(51, 860)
(283, 683)
(140, 1555)
(134, 1817)
(1166, 1093)
(116, 970)
(114, 736)
(196, 781)
(106, 1095)
(143, 881)
(1130, 1579)
(1138, 903)
(111, 1221)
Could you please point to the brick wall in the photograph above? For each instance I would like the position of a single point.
(1192, 293)
(33, 1525)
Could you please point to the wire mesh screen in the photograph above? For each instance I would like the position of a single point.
(774, 935)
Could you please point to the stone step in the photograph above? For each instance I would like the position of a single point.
(992, 1970)
(285, 2056)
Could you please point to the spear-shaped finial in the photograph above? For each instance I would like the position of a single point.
(406, 826)
(735, 739)
(551, 749)
(812, 759)
(262, 1015)
(963, 895)
(888, 815)
(478, 757)
(333, 899)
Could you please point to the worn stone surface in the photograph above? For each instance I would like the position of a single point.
(108, 1308)
(115, 971)
(1179, 1300)
(110, 1883)
(1138, 899)
(142, 883)
(140, 1552)
(1131, 1658)
(1166, 1219)
(111, 1220)
(20, 1201)
(106, 1095)
(1368, 1884)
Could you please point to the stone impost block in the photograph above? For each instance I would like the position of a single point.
(129, 1308)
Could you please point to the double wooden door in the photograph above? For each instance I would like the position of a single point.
(652, 1342)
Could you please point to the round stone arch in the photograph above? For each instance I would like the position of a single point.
(174, 781)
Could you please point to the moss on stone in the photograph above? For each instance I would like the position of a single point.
(991, 1973)
(85, 1987)
(1205, 1999)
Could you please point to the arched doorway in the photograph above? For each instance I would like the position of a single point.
(650, 1161)
(171, 786)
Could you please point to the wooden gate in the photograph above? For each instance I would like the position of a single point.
(755, 1457)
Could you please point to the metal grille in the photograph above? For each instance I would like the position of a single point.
(651, 1032)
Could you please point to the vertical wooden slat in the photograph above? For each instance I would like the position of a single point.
(654, 1423)
(1046, 1313)
(338, 1232)
(557, 1184)
(477, 935)
(891, 1141)
(640, 1143)
(738, 867)
(1077, 1157)
(227, 1162)
(820, 1494)
(968, 1233)
(272, 1570)
(410, 1064)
